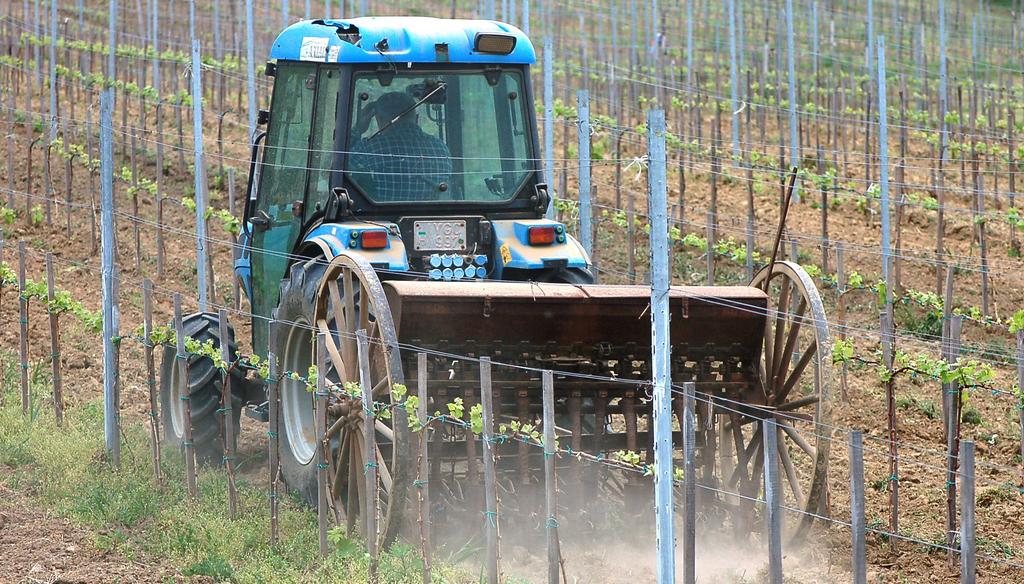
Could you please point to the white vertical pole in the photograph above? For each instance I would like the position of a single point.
(943, 80)
(250, 71)
(734, 82)
(107, 245)
(688, 425)
(857, 507)
(794, 140)
(883, 151)
(772, 492)
(658, 192)
(549, 124)
(586, 210)
(53, 70)
(200, 161)
(968, 544)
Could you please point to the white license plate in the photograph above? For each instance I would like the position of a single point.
(440, 235)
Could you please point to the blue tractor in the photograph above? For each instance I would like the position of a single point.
(397, 190)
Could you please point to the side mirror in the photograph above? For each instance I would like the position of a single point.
(339, 205)
(541, 198)
(263, 117)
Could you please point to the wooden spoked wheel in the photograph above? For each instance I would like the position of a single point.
(795, 375)
(351, 299)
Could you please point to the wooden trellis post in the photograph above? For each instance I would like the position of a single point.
(58, 394)
(147, 343)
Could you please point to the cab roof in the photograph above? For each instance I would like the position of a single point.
(401, 39)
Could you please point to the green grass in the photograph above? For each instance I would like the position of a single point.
(63, 470)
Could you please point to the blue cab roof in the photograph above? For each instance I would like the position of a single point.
(410, 39)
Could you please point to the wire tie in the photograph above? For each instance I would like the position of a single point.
(551, 523)
(322, 466)
(419, 484)
(368, 466)
(491, 516)
(223, 410)
(184, 398)
(186, 443)
(272, 434)
(227, 458)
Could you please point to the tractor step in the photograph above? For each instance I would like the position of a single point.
(258, 412)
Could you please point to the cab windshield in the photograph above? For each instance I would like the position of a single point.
(439, 136)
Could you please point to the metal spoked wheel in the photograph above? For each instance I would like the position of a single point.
(795, 376)
(350, 299)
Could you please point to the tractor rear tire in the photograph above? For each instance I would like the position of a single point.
(293, 347)
(204, 392)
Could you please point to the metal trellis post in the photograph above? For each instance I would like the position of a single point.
(658, 192)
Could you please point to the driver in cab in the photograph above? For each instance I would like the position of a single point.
(398, 162)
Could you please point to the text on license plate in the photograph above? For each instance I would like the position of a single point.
(440, 235)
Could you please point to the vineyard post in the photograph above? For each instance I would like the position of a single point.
(490, 487)
(26, 398)
(235, 249)
(135, 203)
(549, 124)
(750, 217)
(226, 406)
(202, 258)
(423, 468)
(857, 518)
(968, 572)
(689, 485)
(586, 211)
(888, 349)
(734, 82)
(369, 451)
(710, 255)
(10, 169)
(951, 393)
(147, 343)
(273, 397)
(550, 505)
(52, 65)
(794, 141)
(771, 494)
(660, 370)
(159, 193)
(58, 394)
(108, 246)
(883, 151)
(250, 73)
(948, 355)
(841, 305)
(1020, 384)
(185, 397)
(321, 442)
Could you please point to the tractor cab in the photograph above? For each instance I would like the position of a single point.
(410, 140)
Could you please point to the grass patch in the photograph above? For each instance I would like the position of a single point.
(63, 469)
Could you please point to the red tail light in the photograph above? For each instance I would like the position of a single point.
(373, 239)
(542, 235)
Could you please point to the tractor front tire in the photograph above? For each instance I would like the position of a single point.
(203, 392)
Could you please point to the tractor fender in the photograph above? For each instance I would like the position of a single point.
(333, 238)
(511, 241)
